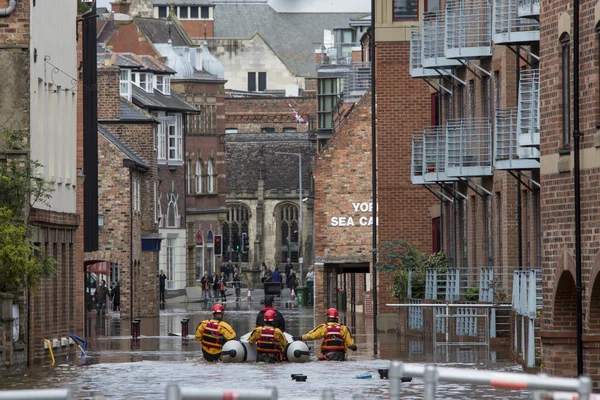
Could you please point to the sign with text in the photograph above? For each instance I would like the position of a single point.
(353, 220)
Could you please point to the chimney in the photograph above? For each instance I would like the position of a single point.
(109, 97)
(120, 7)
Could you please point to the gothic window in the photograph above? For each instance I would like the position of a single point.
(161, 217)
(188, 180)
(198, 176)
(211, 176)
(236, 224)
(287, 216)
(172, 212)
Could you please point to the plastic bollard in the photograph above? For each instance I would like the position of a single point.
(184, 327)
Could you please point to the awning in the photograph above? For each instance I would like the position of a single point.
(102, 267)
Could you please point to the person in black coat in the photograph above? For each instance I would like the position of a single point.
(279, 320)
(162, 280)
(115, 296)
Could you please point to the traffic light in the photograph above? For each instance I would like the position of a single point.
(244, 243)
(218, 245)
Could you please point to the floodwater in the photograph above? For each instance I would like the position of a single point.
(120, 368)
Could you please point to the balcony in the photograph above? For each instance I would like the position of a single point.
(434, 33)
(468, 29)
(416, 167)
(507, 153)
(528, 122)
(469, 147)
(416, 55)
(339, 53)
(528, 8)
(434, 155)
(357, 80)
(509, 28)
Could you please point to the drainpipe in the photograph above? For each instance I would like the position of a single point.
(5, 12)
(374, 174)
(519, 200)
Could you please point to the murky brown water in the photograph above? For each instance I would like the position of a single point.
(120, 368)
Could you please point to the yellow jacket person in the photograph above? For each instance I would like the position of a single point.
(337, 338)
(270, 341)
(213, 333)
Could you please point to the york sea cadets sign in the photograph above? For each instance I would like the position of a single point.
(353, 220)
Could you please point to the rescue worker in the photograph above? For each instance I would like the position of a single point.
(279, 320)
(337, 338)
(270, 340)
(213, 333)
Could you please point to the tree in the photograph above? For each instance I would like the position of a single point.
(22, 263)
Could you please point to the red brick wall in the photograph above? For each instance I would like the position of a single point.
(14, 29)
(108, 93)
(198, 29)
(128, 39)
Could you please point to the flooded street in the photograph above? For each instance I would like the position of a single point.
(120, 368)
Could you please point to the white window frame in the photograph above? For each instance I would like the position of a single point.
(125, 83)
(161, 217)
(198, 176)
(211, 176)
(161, 138)
(136, 194)
(162, 83)
(172, 208)
(188, 180)
(147, 84)
(170, 258)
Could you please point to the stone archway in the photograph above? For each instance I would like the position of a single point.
(564, 308)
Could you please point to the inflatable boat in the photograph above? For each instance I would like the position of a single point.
(237, 351)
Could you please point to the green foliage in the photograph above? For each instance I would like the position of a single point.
(471, 294)
(398, 257)
(82, 7)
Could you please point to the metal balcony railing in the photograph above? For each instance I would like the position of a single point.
(339, 53)
(528, 122)
(468, 29)
(416, 168)
(507, 152)
(509, 27)
(469, 147)
(434, 154)
(357, 80)
(528, 8)
(433, 38)
(416, 55)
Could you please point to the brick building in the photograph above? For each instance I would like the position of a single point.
(30, 45)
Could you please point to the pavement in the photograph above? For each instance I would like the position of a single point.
(258, 296)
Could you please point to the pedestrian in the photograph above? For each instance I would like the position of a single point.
(269, 305)
(162, 280)
(270, 340)
(214, 333)
(216, 286)
(263, 271)
(222, 287)
(237, 284)
(276, 275)
(310, 277)
(288, 268)
(115, 296)
(205, 287)
(337, 338)
(229, 271)
(222, 268)
(100, 297)
(291, 280)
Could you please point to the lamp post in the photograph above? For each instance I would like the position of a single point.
(300, 259)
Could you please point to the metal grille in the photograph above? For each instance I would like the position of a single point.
(340, 53)
(468, 28)
(435, 284)
(486, 287)
(507, 152)
(528, 8)
(416, 171)
(358, 79)
(508, 27)
(469, 147)
(415, 48)
(415, 315)
(453, 284)
(434, 34)
(528, 122)
(434, 154)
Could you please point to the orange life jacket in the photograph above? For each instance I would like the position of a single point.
(267, 343)
(211, 336)
(333, 339)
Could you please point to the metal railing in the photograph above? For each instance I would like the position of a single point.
(175, 392)
(357, 80)
(416, 167)
(486, 288)
(528, 8)
(453, 284)
(339, 53)
(434, 33)
(528, 121)
(469, 147)
(468, 29)
(526, 301)
(434, 154)
(416, 56)
(509, 27)
(435, 284)
(433, 375)
(415, 315)
(43, 394)
(507, 152)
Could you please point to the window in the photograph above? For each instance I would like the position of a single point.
(432, 5)
(189, 177)
(435, 109)
(143, 80)
(406, 10)
(204, 13)
(136, 200)
(462, 100)
(162, 84)
(172, 211)
(174, 137)
(328, 96)
(472, 106)
(267, 130)
(497, 90)
(231, 130)
(565, 42)
(262, 81)
(125, 84)
(199, 258)
(485, 96)
(251, 81)
(170, 258)
(161, 219)
(154, 200)
(236, 223)
(162, 11)
(161, 137)
(290, 130)
(288, 226)
(183, 12)
(194, 12)
(211, 176)
(198, 176)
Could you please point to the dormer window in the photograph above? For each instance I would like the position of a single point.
(125, 84)
(162, 83)
(143, 80)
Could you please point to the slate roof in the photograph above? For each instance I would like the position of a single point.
(294, 37)
(129, 113)
(160, 31)
(159, 101)
(142, 62)
(121, 146)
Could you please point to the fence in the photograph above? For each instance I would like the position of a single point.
(46, 394)
(527, 302)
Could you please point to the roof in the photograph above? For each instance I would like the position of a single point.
(122, 147)
(160, 31)
(292, 36)
(129, 113)
(159, 101)
(144, 62)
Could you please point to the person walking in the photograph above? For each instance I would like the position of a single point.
(237, 283)
(162, 280)
(214, 333)
(222, 287)
(100, 297)
(270, 340)
(115, 296)
(288, 268)
(269, 306)
(310, 277)
(276, 275)
(216, 286)
(291, 280)
(205, 287)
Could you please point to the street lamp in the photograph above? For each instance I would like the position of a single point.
(299, 155)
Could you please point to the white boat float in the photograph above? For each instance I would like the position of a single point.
(237, 351)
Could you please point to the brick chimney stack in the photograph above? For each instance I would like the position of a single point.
(120, 7)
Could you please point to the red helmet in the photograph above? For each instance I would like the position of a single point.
(217, 308)
(269, 316)
(332, 313)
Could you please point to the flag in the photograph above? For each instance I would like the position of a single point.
(298, 117)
